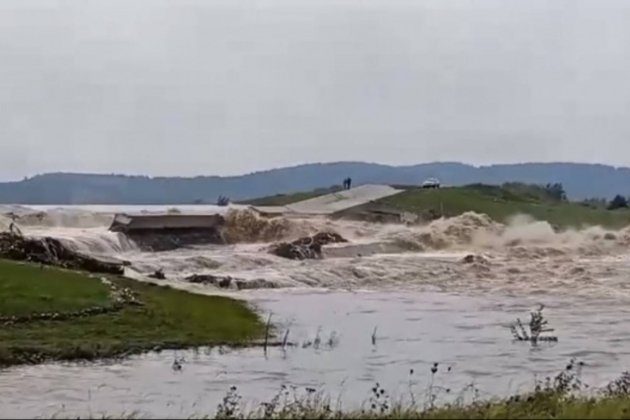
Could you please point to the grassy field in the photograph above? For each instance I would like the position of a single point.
(35, 294)
(166, 318)
(501, 205)
(499, 202)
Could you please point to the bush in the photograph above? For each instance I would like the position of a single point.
(556, 191)
(619, 202)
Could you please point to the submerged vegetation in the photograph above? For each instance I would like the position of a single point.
(537, 326)
(52, 314)
(563, 396)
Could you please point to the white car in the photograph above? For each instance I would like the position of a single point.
(431, 183)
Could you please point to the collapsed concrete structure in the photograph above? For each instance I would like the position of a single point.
(135, 223)
(162, 232)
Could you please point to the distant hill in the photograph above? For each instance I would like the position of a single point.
(580, 181)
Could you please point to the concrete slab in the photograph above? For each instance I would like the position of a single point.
(342, 200)
(142, 222)
(270, 210)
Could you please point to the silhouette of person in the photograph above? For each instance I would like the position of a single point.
(349, 182)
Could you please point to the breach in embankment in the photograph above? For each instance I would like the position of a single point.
(256, 248)
(161, 232)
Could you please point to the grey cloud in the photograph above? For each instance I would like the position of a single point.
(222, 87)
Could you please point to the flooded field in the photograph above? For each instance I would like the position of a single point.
(393, 300)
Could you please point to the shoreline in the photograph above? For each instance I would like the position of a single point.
(59, 317)
(492, 408)
(562, 396)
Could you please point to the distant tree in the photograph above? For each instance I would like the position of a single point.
(619, 202)
(595, 203)
(556, 191)
(223, 200)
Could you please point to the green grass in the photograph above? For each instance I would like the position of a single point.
(501, 205)
(499, 202)
(46, 290)
(530, 407)
(539, 408)
(533, 408)
(169, 318)
(536, 405)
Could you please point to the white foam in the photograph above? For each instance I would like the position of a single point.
(523, 254)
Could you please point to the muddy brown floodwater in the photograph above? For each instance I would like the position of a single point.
(409, 287)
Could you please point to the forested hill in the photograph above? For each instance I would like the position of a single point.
(579, 180)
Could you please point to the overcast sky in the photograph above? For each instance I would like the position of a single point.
(186, 87)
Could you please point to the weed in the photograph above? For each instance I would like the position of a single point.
(537, 326)
(567, 381)
(620, 387)
(230, 406)
(379, 402)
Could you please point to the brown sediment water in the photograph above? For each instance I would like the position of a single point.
(522, 256)
(413, 284)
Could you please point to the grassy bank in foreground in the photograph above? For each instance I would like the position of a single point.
(559, 397)
(562, 396)
(499, 202)
(533, 406)
(52, 314)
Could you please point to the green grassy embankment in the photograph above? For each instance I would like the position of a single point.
(165, 317)
(501, 205)
(499, 202)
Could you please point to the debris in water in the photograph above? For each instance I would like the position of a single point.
(51, 251)
(178, 364)
(220, 281)
(536, 326)
(158, 274)
(309, 247)
(471, 258)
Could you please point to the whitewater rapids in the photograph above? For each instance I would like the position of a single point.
(395, 297)
(521, 256)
